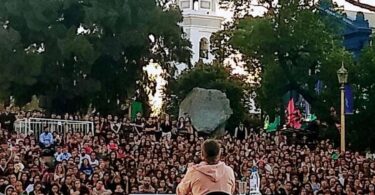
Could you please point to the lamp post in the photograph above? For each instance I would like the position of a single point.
(342, 75)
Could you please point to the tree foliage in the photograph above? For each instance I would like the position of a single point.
(295, 48)
(214, 76)
(74, 53)
(361, 134)
(296, 45)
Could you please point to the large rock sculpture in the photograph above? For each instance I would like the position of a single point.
(209, 109)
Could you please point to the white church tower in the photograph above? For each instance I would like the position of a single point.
(200, 21)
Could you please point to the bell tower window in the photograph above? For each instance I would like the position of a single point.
(203, 48)
(195, 4)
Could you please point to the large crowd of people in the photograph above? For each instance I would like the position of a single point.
(152, 155)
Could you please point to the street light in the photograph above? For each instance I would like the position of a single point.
(342, 75)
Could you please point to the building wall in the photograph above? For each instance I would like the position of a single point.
(197, 27)
(199, 23)
(368, 16)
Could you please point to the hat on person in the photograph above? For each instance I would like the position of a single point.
(9, 186)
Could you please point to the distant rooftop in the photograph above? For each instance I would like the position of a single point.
(368, 16)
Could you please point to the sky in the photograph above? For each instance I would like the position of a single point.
(347, 6)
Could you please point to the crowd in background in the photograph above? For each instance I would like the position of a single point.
(150, 155)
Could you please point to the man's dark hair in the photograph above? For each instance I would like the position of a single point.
(211, 151)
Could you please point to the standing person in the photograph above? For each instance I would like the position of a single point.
(7, 119)
(150, 127)
(158, 132)
(126, 127)
(181, 130)
(138, 123)
(166, 126)
(211, 175)
(241, 132)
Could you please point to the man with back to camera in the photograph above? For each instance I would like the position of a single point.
(211, 175)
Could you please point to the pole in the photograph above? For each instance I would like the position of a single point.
(342, 132)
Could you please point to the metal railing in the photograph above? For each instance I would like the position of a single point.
(36, 125)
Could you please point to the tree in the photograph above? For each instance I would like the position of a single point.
(86, 52)
(295, 48)
(360, 125)
(214, 76)
(297, 45)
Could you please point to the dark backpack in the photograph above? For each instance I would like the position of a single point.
(217, 193)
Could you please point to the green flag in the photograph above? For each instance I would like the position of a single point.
(135, 108)
(277, 120)
(273, 126)
(311, 117)
(335, 156)
(266, 122)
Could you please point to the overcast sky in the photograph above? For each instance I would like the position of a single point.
(347, 6)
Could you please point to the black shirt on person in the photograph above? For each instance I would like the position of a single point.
(138, 122)
(7, 119)
(125, 130)
(241, 133)
(166, 128)
(150, 126)
(158, 132)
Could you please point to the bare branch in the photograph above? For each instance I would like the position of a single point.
(361, 5)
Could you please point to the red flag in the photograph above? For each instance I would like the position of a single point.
(294, 115)
(297, 119)
(290, 112)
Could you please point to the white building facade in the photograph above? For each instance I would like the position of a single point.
(200, 21)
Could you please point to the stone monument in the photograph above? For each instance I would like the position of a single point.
(209, 110)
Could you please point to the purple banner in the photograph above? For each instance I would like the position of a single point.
(349, 101)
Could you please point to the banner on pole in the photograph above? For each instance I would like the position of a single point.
(349, 109)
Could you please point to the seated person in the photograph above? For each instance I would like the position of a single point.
(46, 139)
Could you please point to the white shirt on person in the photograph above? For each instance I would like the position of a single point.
(85, 156)
(94, 163)
(63, 156)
